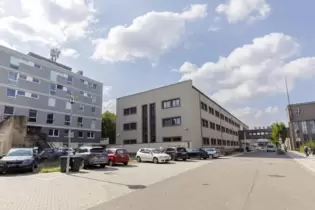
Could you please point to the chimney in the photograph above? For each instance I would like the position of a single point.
(80, 72)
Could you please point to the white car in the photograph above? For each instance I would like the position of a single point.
(212, 152)
(271, 148)
(152, 155)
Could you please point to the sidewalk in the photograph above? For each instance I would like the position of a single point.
(307, 162)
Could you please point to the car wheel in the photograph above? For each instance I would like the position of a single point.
(210, 156)
(126, 163)
(102, 165)
(138, 159)
(155, 160)
(33, 169)
(110, 163)
(173, 157)
(184, 159)
(199, 157)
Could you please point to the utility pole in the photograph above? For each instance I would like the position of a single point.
(71, 101)
(292, 135)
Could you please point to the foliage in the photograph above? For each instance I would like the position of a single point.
(49, 167)
(310, 144)
(109, 126)
(279, 130)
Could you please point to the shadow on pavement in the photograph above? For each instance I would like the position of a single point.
(132, 187)
(264, 154)
(17, 173)
(123, 166)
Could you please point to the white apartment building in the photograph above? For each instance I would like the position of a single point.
(175, 113)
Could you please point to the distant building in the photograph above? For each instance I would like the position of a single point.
(173, 114)
(39, 88)
(301, 119)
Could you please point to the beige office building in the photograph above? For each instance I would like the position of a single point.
(175, 113)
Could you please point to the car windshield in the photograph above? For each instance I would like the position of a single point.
(156, 151)
(181, 149)
(209, 149)
(20, 152)
(270, 146)
(97, 150)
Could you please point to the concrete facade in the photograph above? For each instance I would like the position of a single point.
(301, 119)
(189, 107)
(31, 82)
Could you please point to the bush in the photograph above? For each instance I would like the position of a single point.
(310, 144)
(280, 152)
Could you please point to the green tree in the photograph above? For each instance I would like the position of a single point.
(109, 126)
(279, 130)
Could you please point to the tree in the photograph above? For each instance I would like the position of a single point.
(279, 130)
(109, 126)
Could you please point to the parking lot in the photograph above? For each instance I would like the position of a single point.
(84, 189)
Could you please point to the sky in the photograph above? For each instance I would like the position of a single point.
(238, 52)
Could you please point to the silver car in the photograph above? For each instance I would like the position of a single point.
(93, 156)
(212, 152)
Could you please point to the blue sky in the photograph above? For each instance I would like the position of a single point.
(236, 51)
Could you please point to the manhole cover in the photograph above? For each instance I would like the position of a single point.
(136, 187)
(276, 176)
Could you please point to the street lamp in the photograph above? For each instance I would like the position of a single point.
(71, 101)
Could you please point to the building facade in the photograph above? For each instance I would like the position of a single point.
(39, 88)
(301, 118)
(175, 113)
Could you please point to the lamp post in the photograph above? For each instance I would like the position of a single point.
(71, 101)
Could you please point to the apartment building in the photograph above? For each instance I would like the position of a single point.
(301, 117)
(39, 88)
(175, 113)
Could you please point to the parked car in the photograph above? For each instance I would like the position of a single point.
(117, 155)
(51, 154)
(152, 155)
(93, 156)
(198, 153)
(176, 153)
(23, 159)
(271, 148)
(212, 152)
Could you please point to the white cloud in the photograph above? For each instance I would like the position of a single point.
(46, 22)
(213, 29)
(69, 52)
(109, 106)
(244, 10)
(106, 90)
(257, 117)
(252, 71)
(6, 44)
(149, 35)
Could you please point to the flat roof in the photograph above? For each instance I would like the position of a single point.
(303, 103)
(50, 61)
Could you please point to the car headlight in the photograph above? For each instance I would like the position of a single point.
(27, 161)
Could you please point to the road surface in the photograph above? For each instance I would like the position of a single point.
(255, 181)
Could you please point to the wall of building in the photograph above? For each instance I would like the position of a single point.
(188, 110)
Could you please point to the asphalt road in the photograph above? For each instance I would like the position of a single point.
(255, 181)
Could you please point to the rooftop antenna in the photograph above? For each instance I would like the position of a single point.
(54, 54)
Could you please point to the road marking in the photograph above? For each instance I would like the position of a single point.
(305, 165)
(47, 179)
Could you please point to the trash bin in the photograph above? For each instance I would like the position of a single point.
(76, 163)
(63, 164)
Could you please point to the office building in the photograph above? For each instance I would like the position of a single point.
(40, 88)
(175, 113)
(301, 119)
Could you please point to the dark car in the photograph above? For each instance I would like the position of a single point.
(197, 153)
(177, 153)
(24, 159)
(93, 155)
(51, 154)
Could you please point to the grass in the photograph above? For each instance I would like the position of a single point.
(50, 167)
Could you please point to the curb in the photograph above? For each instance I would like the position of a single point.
(303, 164)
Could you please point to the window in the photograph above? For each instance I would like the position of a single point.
(226, 119)
(94, 86)
(205, 123)
(8, 110)
(312, 125)
(60, 87)
(53, 76)
(174, 121)
(93, 109)
(211, 110)
(219, 142)
(130, 126)
(33, 95)
(35, 80)
(14, 62)
(20, 93)
(171, 103)
(53, 133)
(68, 105)
(52, 89)
(212, 125)
(222, 129)
(90, 135)
(80, 134)
(130, 141)
(11, 92)
(222, 116)
(69, 80)
(12, 76)
(172, 139)
(93, 99)
(66, 132)
(67, 120)
(50, 118)
(223, 142)
(51, 102)
(218, 127)
(228, 143)
(205, 141)
(22, 76)
(81, 107)
(130, 111)
(213, 141)
(37, 66)
(93, 124)
(304, 127)
(204, 106)
(80, 122)
(32, 115)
